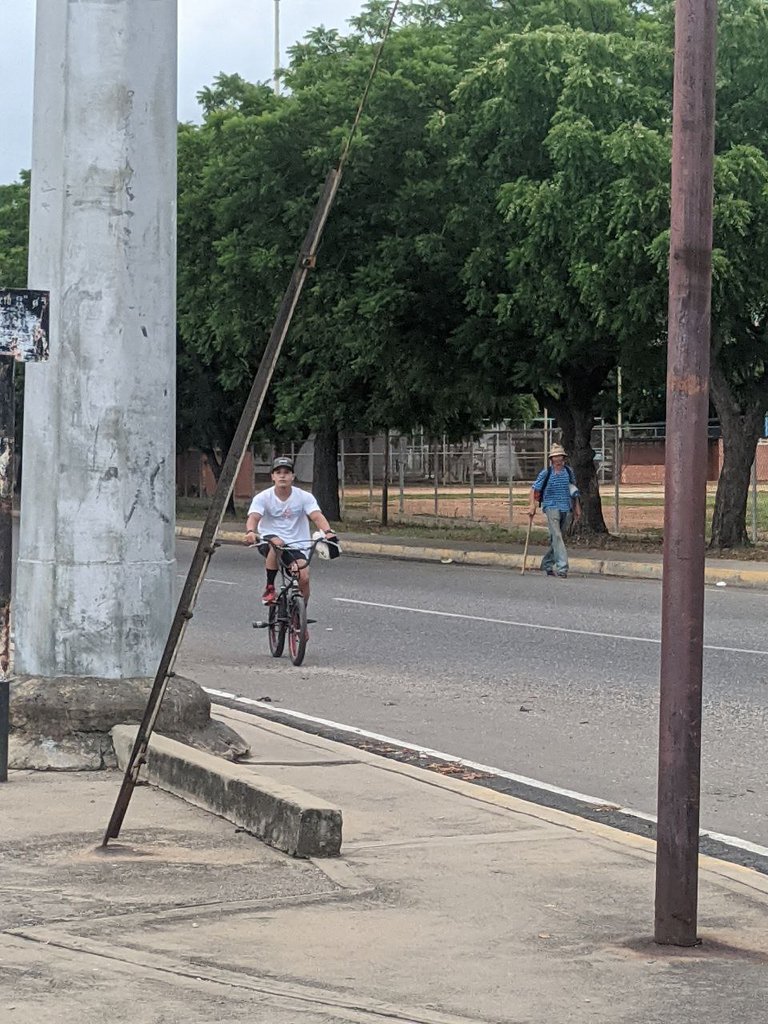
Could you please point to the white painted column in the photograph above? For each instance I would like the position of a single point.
(94, 593)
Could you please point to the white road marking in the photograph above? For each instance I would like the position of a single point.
(536, 625)
(210, 579)
(720, 837)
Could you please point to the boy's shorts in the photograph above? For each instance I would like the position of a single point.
(288, 556)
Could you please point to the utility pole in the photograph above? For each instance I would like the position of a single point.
(96, 565)
(682, 621)
(276, 56)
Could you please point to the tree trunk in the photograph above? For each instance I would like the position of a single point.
(325, 473)
(741, 430)
(576, 422)
(356, 458)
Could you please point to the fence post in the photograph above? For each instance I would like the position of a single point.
(509, 481)
(754, 499)
(343, 474)
(472, 480)
(401, 474)
(437, 472)
(385, 481)
(370, 474)
(616, 477)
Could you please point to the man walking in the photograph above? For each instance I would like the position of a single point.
(555, 489)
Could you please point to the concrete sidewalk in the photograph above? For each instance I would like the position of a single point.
(584, 561)
(449, 904)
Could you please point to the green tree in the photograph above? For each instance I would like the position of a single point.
(14, 232)
(553, 128)
(739, 366)
(739, 377)
(14, 243)
(374, 331)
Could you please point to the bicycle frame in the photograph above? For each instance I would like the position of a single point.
(288, 614)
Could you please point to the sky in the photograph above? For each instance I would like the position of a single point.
(233, 36)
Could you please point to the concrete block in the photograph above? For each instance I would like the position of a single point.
(280, 815)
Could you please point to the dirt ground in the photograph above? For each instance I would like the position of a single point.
(640, 526)
(492, 507)
(632, 518)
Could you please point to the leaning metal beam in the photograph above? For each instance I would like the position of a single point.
(207, 542)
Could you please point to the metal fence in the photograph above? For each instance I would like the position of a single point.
(486, 480)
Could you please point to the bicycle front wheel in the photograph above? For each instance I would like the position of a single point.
(297, 630)
(276, 630)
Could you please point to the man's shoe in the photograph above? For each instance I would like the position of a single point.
(270, 594)
(562, 575)
(550, 572)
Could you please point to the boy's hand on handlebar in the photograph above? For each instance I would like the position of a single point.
(251, 538)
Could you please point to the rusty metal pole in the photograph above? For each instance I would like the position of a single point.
(7, 447)
(682, 621)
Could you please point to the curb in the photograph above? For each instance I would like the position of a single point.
(282, 816)
(563, 818)
(756, 578)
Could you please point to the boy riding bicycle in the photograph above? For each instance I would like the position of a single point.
(282, 513)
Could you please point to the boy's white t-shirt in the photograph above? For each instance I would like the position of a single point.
(286, 519)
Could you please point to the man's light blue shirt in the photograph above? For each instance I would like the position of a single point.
(558, 491)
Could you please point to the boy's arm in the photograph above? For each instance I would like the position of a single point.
(319, 520)
(251, 526)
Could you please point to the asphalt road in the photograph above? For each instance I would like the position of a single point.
(555, 680)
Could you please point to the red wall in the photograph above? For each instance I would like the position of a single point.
(194, 477)
(643, 462)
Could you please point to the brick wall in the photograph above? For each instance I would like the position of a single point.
(194, 477)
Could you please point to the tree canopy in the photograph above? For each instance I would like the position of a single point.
(502, 229)
(14, 232)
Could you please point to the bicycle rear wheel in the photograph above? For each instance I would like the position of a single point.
(297, 630)
(276, 629)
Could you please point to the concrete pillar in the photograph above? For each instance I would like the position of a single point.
(94, 594)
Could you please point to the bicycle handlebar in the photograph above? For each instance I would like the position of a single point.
(307, 548)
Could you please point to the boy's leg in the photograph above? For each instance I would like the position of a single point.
(270, 564)
(300, 569)
(304, 583)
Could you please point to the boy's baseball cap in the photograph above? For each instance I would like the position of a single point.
(283, 462)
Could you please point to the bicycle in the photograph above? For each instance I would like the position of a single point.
(288, 613)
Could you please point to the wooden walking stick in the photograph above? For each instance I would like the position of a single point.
(527, 538)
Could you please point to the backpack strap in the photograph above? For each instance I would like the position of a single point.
(544, 483)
